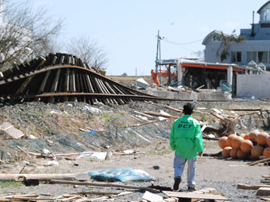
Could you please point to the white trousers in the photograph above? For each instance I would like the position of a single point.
(179, 165)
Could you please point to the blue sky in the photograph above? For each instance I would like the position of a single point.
(127, 29)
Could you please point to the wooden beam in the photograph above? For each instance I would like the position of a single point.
(104, 185)
(191, 195)
(251, 187)
(177, 110)
(161, 114)
(152, 197)
(45, 177)
(259, 161)
(263, 191)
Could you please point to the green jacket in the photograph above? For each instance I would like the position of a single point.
(186, 137)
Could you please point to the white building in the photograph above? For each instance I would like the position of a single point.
(255, 47)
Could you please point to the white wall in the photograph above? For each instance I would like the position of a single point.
(256, 85)
(256, 45)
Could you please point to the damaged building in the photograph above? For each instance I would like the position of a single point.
(247, 62)
(194, 74)
(254, 48)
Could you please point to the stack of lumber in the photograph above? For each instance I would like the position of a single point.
(262, 190)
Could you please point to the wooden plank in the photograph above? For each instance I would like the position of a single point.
(177, 110)
(104, 185)
(143, 114)
(23, 151)
(191, 195)
(265, 181)
(171, 200)
(251, 187)
(263, 191)
(110, 193)
(103, 198)
(205, 191)
(152, 197)
(203, 127)
(265, 198)
(259, 161)
(161, 114)
(45, 177)
(107, 197)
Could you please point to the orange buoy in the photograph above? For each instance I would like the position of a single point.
(246, 146)
(233, 153)
(257, 151)
(226, 152)
(246, 137)
(266, 152)
(253, 134)
(268, 141)
(242, 155)
(229, 139)
(236, 142)
(222, 142)
(261, 138)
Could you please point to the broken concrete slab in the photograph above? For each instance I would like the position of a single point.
(9, 129)
(142, 83)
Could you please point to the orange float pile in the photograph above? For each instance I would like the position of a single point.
(248, 146)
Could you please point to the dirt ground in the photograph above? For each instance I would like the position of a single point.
(47, 121)
(209, 170)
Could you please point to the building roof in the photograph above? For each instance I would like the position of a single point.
(211, 34)
(208, 65)
(259, 11)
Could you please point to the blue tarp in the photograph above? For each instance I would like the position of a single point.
(122, 174)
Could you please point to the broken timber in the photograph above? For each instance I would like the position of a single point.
(251, 187)
(104, 185)
(45, 177)
(161, 114)
(259, 161)
(191, 195)
(177, 110)
(263, 191)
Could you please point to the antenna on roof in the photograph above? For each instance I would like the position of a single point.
(252, 25)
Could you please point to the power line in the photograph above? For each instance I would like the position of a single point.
(180, 44)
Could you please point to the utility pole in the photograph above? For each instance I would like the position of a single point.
(136, 78)
(158, 54)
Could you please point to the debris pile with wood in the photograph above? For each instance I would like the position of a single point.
(143, 123)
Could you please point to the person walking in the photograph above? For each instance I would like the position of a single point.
(186, 140)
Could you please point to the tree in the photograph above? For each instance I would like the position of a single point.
(89, 51)
(25, 33)
(226, 40)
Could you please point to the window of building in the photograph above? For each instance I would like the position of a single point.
(265, 25)
(258, 56)
(216, 37)
(251, 55)
(236, 56)
(265, 14)
(262, 56)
